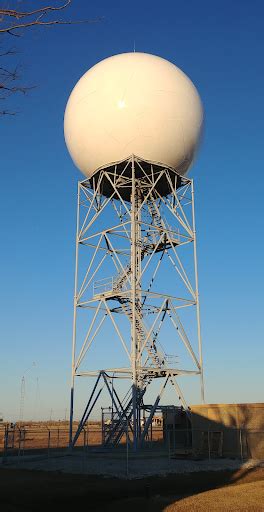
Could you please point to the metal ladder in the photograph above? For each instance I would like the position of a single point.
(121, 419)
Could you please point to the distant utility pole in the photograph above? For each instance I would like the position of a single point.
(22, 394)
(22, 399)
(37, 398)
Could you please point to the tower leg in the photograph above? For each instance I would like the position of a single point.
(71, 413)
(74, 319)
(133, 304)
(197, 298)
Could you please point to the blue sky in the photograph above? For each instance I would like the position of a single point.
(220, 46)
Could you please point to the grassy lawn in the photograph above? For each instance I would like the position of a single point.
(246, 497)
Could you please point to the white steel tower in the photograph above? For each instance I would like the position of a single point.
(136, 263)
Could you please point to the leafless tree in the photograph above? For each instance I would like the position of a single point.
(13, 24)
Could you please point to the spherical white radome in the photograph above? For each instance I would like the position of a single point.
(133, 103)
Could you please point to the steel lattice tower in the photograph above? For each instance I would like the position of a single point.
(136, 217)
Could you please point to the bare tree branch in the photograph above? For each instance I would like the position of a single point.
(12, 23)
(37, 21)
(17, 14)
(8, 83)
(10, 30)
(7, 113)
(10, 51)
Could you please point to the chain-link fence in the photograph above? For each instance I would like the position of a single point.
(20, 441)
(176, 443)
(234, 443)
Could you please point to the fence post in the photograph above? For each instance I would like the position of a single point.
(58, 438)
(169, 437)
(127, 449)
(49, 444)
(4, 460)
(19, 444)
(23, 441)
(241, 445)
(209, 448)
(83, 460)
(84, 440)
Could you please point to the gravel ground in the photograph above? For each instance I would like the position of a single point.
(117, 465)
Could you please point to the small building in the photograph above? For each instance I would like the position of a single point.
(157, 421)
(228, 430)
(177, 431)
(216, 430)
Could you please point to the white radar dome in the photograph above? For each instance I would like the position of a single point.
(133, 103)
